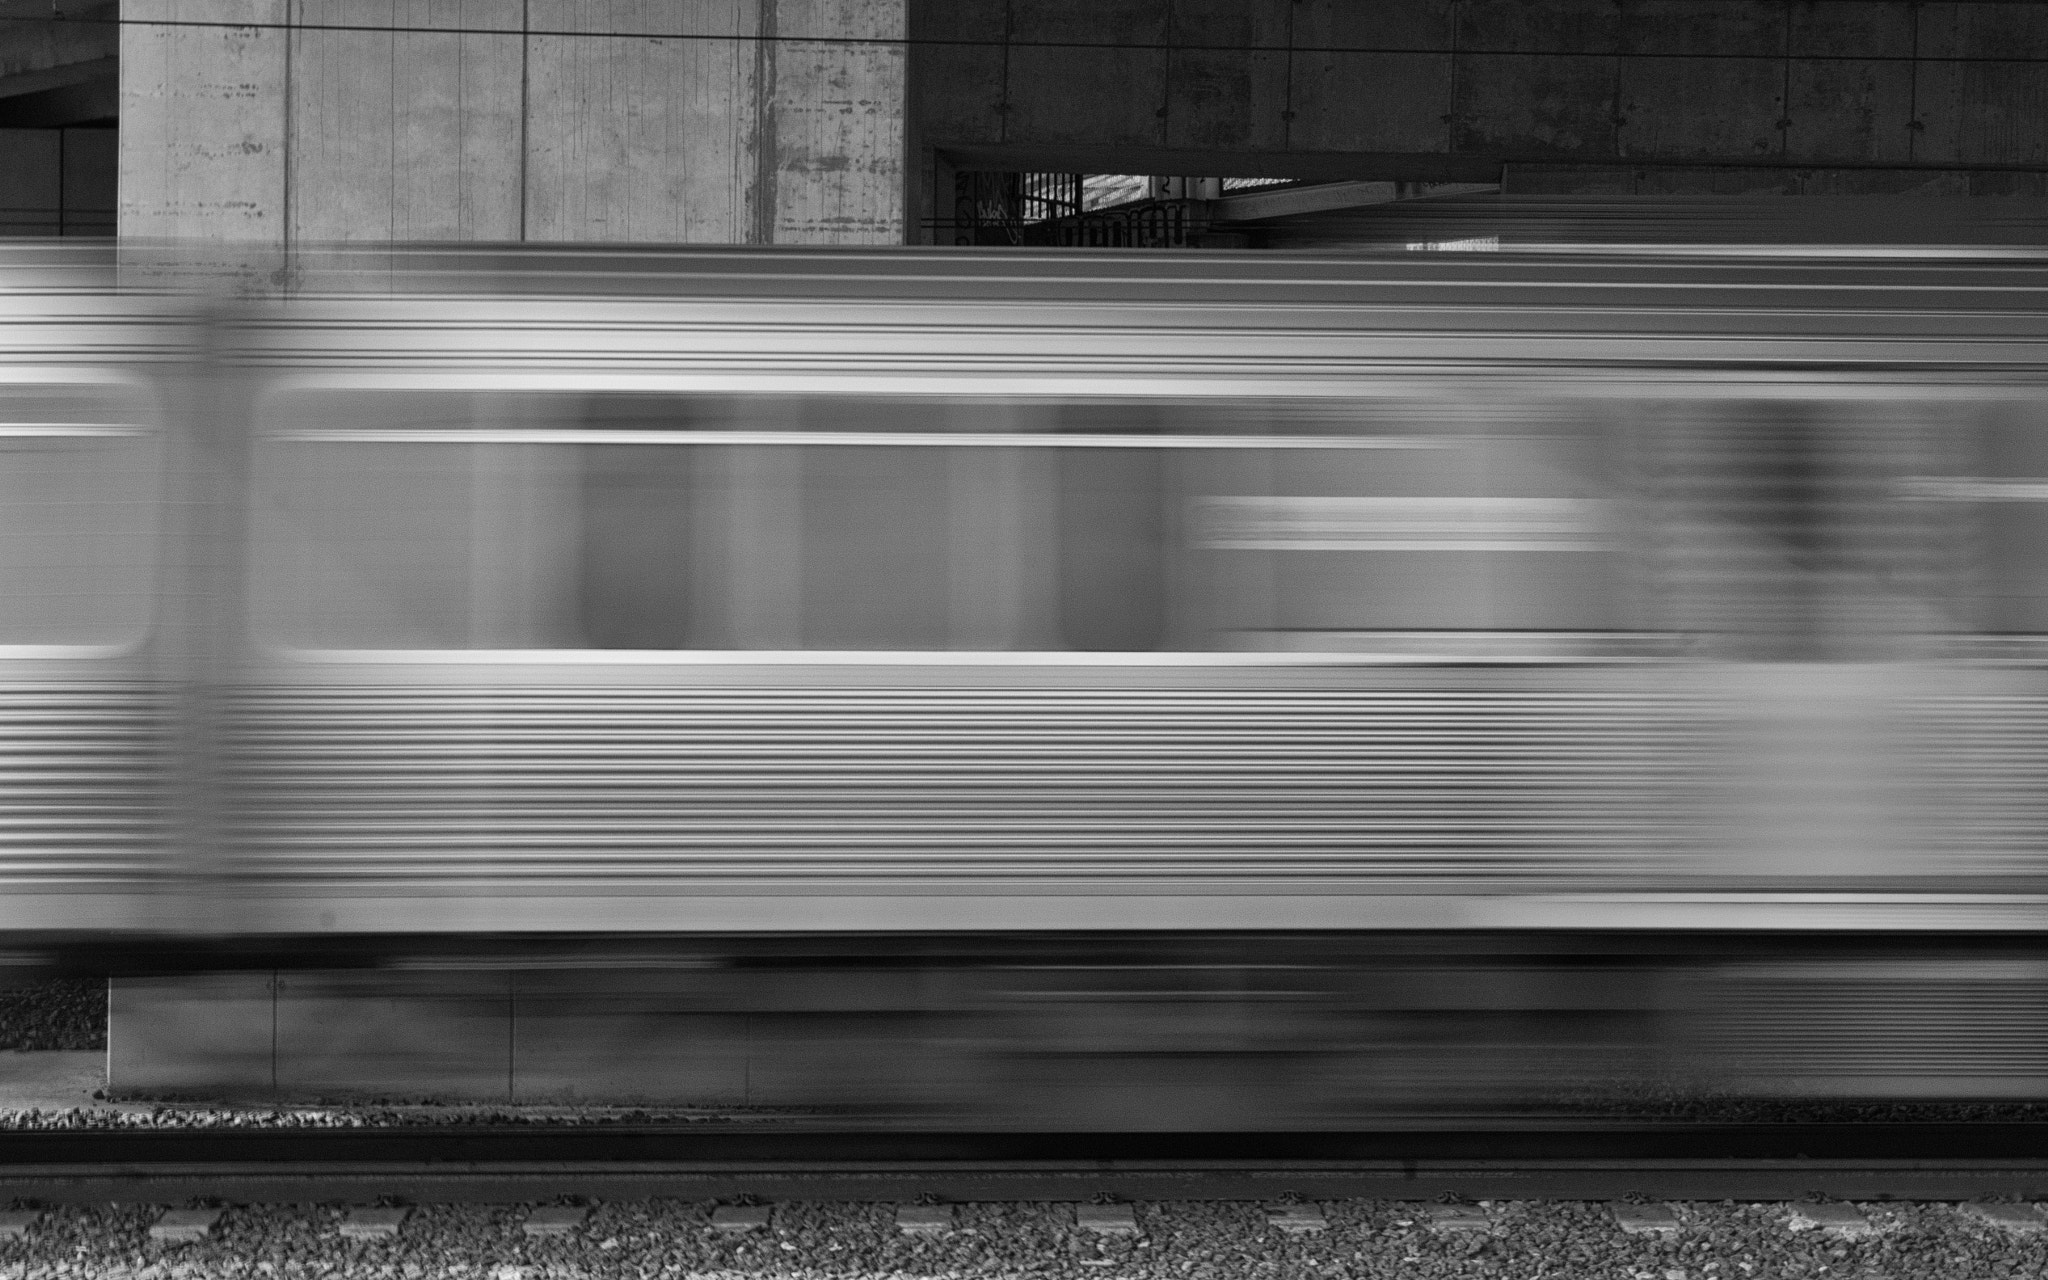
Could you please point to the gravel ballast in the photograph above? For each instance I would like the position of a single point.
(1176, 1241)
(55, 1014)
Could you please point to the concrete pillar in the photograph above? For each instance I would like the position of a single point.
(412, 134)
(203, 120)
(836, 110)
(650, 121)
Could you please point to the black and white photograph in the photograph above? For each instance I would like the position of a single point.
(1023, 639)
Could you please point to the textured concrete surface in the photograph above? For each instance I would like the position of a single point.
(408, 136)
(51, 1080)
(710, 121)
(211, 1033)
(203, 123)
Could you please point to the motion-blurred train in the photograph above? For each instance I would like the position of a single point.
(1267, 688)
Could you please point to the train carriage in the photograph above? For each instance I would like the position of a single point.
(907, 592)
(1120, 690)
(95, 491)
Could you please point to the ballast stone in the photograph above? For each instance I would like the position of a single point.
(2023, 1218)
(14, 1223)
(924, 1219)
(1296, 1219)
(554, 1220)
(1106, 1219)
(740, 1217)
(1832, 1219)
(1459, 1217)
(1645, 1219)
(184, 1225)
(373, 1223)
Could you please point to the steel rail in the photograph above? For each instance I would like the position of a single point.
(1416, 1160)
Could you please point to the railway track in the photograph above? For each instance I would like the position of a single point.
(711, 1161)
(1201, 1224)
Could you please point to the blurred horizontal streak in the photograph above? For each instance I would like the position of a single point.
(82, 800)
(1973, 489)
(32, 429)
(934, 439)
(829, 658)
(1074, 784)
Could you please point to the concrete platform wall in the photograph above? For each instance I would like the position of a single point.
(652, 121)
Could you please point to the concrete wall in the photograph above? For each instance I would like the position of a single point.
(1452, 90)
(706, 121)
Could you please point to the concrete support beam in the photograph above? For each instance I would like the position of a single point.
(1761, 180)
(836, 107)
(1322, 197)
(651, 121)
(47, 45)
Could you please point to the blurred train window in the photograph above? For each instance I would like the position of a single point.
(376, 529)
(1430, 518)
(79, 473)
(1112, 530)
(637, 576)
(2009, 495)
(381, 528)
(635, 552)
(876, 568)
(663, 522)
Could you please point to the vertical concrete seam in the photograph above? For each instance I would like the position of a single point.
(1166, 77)
(765, 157)
(1913, 12)
(284, 231)
(1451, 125)
(391, 209)
(525, 64)
(1287, 92)
(1785, 92)
(1622, 48)
(1003, 103)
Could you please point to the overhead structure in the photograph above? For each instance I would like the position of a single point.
(59, 96)
(872, 121)
(1614, 97)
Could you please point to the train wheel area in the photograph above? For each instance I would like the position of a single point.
(1054, 1033)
